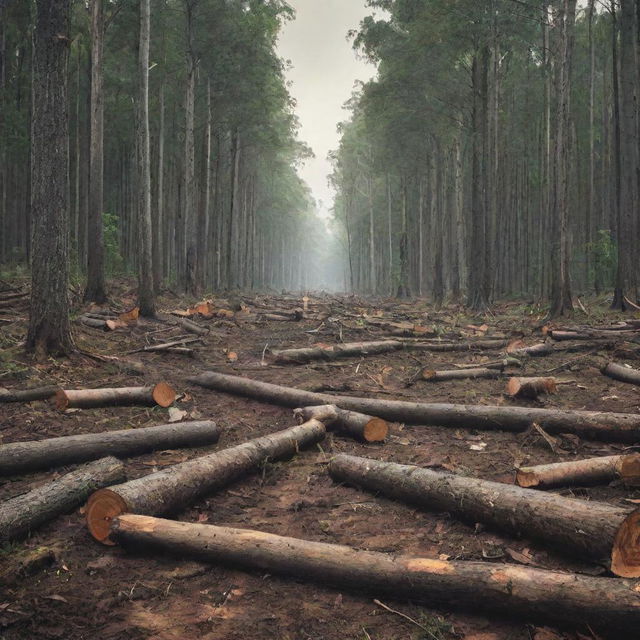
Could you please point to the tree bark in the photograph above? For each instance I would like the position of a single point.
(27, 395)
(357, 425)
(37, 455)
(346, 350)
(172, 489)
(622, 373)
(618, 427)
(592, 471)
(161, 394)
(591, 530)
(26, 512)
(533, 594)
(459, 374)
(49, 327)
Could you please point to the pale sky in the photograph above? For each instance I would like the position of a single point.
(324, 69)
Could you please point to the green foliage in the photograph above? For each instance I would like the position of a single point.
(113, 260)
(604, 258)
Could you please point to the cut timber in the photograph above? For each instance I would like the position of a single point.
(292, 316)
(471, 345)
(106, 324)
(172, 489)
(24, 513)
(530, 387)
(548, 348)
(192, 327)
(167, 345)
(27, 395)
(622, 373)
(535, 595)
(23, 457)
(592, 334)
(587, 529)
(161, 394)
(357, 425)
(617, 427)
(583, 472)
(346, 350)
(459, 374)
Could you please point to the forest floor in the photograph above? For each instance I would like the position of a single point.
(86, 590)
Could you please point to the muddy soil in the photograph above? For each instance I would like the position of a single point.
(80, 589)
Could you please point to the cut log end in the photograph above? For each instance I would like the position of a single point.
(629, 470)
(61, 400)
(429, 374)
(526, 478)
(103, 506)
(530, 387)
(625, 556)
(164, 395)
(376, 430)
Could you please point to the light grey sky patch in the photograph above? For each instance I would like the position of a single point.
(324, 70)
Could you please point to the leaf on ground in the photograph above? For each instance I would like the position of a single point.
(176, 415)
(59, 598)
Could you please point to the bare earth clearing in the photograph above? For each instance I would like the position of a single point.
(81, 589)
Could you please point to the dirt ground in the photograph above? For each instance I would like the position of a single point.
(84, 590)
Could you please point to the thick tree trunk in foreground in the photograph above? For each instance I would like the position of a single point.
(530, 387)
(532, 594)
(622, 373)
(161, 394)
(618, 427)
(146, 295)
(26, 512)
(49, 328)
(592, 530)
(27, 395)
(35, 455)
(95, 291)
(346, 350)
(357, 425)
(592, 471)
(172, 489)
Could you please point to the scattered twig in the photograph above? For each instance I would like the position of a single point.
(406, 617)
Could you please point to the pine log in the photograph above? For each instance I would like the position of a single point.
(469, 345)
(192, 327)
(592, 334)
(617, 427)
(548, 348)
(357, 425)
(346, 350)
(26, 512)
(27, 395)
(530, 387)
(172, 489)
(592, 471)
(161, 394)
(593, 530)
(534, 595)
(459, 374)
(95, 323)
(622, 373)
(24, 457)
(166, 345)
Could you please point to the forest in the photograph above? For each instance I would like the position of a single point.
(231, 409)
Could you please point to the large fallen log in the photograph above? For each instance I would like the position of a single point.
(549, 348)
(172, 489)
(593, 530)
(585, 603)
(24, 513)
(488, 344)
(161, 394)
(431, 375)
(27, 395)
(619, 427)
(346, 350)
(357, 425)
(23, 457)
(622, 373)
(592, 471)
(592, 334)
(192, 327)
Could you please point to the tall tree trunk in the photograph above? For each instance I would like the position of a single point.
(146, 296)
(404, 290)
(158, 244)
(95, 291)
(49, 328)
(591, 216)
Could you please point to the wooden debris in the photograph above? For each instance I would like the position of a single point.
(165, 346)
(35, 455)
(618, 427)
(161, 394)
(530, 387)
(592, 471)
(332, 352)
(459, 374)
(589, 529)
(192, 327)
(27, 395)
(535, 594)
(622, 373)
(357, 425)
(26, 512)
(592, 334)
(172, 489)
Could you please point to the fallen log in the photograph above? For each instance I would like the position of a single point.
(165, 345)
(501, 364)
(357, 425)
(593, 530)
(548, 348)
(592, 334)
(537, 595)
(530, 387)
(24, 457)
(469, 345)
(459, 374)
(27, 395)
(617, 427)
(192, 327)
(592, 471)
(346, 350)
(104, 324)
(180, 351)
(161, 394)
(26, 512)
(622, 373)
(172, 489)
